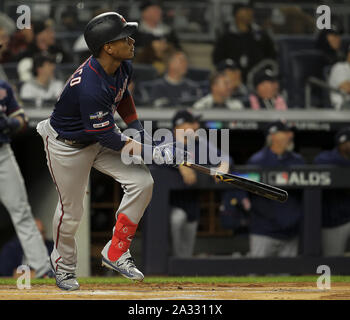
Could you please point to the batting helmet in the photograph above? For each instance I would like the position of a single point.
(107, 27)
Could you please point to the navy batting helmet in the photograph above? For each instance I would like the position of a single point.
(107, 27)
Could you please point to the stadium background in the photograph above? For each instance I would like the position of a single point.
(197, 24)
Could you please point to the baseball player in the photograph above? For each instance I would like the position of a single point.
(12, 189)
(81, 133)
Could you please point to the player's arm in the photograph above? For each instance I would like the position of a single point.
(14, 118)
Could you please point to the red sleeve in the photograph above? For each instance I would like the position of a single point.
(126, 109)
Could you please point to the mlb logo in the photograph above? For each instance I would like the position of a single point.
(99, 115)
(282, 178)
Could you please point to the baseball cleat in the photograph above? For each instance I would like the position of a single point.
(125, 265)
(65, 281)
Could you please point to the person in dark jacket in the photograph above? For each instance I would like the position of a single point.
(245, 42)
(274, 226)
(336, 203)
(185, 205)
(151, 24)
(329, 42)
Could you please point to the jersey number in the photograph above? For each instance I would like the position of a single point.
(76, 80)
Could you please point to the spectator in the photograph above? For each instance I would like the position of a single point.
(43, 86)
(219, 96)
(185, 212)
(238, 89)
(12, 256)
(69, 21)
(245, 42)
(266, 95)
(151, 24)
(7, 28)
(155, 53)
(339, 78)
(44, 42)
(336, 203)
(274, 227)
(4, 38)
(329, 41)
(174, 88)
(18, 44)
(290, 20)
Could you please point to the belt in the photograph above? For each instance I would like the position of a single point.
(75, 143)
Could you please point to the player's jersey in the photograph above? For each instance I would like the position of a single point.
(86, 106)
(8, 105)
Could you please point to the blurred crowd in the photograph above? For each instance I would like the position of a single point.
(249, 67)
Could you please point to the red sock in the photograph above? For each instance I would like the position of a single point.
(123, 234)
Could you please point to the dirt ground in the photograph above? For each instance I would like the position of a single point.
(185, 291)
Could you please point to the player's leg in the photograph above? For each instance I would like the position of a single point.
(69, 168)
(189, 236)
(177, 222)
(137, 184)
(262, 246)
(14, 197)
(334, 240)
(289, 248)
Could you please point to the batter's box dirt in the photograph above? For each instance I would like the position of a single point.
(181, 291)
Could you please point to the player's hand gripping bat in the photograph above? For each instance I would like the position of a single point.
(257, 188)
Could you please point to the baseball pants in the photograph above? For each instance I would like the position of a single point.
(70, 168)
(13, 195)
(183, 233)
(263, 246)
(334, 240)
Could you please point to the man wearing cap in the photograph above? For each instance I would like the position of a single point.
(151, 24)
(220, 95)
(43, 86)
(339, 78)
(81, 133)
(185, 212)
(274, 227)
(245, 42)
(336, 203)
(234, 74)
(266, 95)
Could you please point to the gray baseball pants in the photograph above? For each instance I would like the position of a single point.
(263, 246)
(13, 195)
(70, 168)
(334, 240)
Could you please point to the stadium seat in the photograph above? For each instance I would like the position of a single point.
(144, 72)
(198, 74)
(287, 45)
(305, 64)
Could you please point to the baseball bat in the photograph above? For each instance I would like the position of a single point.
(258, 188)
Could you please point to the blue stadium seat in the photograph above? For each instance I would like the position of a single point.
(286, 45)
(198, 74)
(144, 72)
(304, 64)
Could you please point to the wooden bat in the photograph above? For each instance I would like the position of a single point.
(258, 188)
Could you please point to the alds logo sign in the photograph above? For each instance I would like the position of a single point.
(312, 178)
